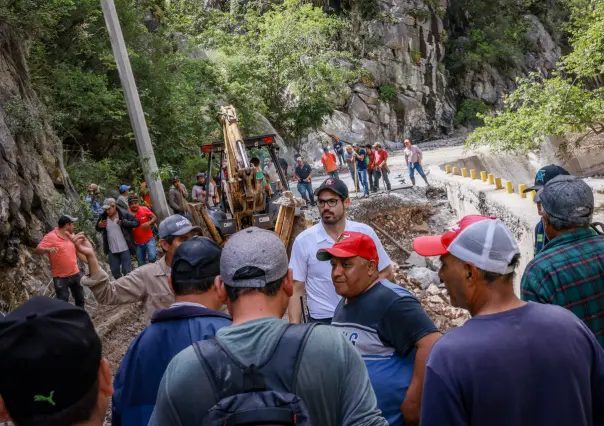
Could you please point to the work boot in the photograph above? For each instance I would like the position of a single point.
(388, 187)
(413, 181)
(426, 180)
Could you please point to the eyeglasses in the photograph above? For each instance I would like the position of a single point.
(332, 202)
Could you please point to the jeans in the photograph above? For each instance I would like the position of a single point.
(363, 180)
(334, 174)
(373, 180)
(340, 155)
(64, 284)
(306, 187)
(412, 168)
(382, 173)
(119, 261)
(146, 252)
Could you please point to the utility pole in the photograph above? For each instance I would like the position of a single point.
(135, 111)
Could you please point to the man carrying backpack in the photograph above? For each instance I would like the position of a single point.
(262, 367)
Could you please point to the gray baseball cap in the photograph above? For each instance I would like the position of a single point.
(568, 198)
(109, 202)
(176, 225)
(252, 258)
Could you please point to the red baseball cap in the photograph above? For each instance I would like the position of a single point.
(438, 245)
(351, 244)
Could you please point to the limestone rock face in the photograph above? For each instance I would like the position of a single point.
(407, 55)
(32, 177)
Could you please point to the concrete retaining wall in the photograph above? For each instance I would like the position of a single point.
(475, 197)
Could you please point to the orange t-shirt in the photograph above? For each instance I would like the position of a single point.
(329, 161)
(142, 235)
(64, 263)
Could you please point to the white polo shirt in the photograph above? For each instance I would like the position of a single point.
(320, 291)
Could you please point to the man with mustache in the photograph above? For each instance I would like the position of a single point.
(315, 276)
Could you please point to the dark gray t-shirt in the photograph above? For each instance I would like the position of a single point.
(332, 379)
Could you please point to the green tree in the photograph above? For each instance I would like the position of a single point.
(572, 100)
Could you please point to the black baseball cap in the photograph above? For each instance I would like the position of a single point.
(334, 185)
(132, 198)
(50, 355)
(195, 259)
(66, 219)
(544, 175)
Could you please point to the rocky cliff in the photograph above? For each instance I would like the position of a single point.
(32, 177)
(409, 92)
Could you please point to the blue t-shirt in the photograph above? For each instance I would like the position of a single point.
(536, 365)
(384, 324)
(361, 164)
(338, 147)
(540, 237)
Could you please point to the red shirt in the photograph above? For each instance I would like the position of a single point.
(379, 157)
(142, 235)
(64, 263)
(371, 156)
(329, 161)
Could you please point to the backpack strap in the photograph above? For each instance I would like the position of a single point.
(218, 363)
(287, 356)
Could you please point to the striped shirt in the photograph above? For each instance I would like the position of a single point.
(569, 272)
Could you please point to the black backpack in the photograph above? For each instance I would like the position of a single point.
(256, 395)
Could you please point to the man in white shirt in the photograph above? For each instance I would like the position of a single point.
(315, 276)
(270, 171)
(414, 157)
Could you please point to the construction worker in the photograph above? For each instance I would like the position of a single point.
(303, 175)
(177, 196)
(361, 167)
(148, 283)
(381, 166)
(329, 163)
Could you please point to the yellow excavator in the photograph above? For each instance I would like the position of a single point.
(243, 199)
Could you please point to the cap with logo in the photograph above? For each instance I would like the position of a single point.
(49, 357)
(66, 219)
(568, 198)
(176, 225)
(196, 259)
(481, 240)
(351, 244)
(108, 203)
(334, 185)
(132, 198)
(253, 257)
(124, 188)
(544, 175)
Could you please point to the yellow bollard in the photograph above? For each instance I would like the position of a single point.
(531, 195)
(464, 172)
(447, 169)
(455, 170)
(491, 179)
(473, 174)
(483, 176)
(498, 184)
(509, 186)
(521, 188)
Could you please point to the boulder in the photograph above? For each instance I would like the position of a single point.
(358, 109)
(416, 260)
(425, 276)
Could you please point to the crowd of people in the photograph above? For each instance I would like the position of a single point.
(360, 351)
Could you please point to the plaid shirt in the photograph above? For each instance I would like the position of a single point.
(569, 272)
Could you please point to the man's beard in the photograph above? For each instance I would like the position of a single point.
(332, 219)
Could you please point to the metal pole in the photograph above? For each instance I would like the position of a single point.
(135, 111)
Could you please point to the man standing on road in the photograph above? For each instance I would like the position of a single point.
(177, 196)
(413, 157)
(569, 271)
(116, 225)
(513, 363)
(359, 156)
(315, 276)
(51, 366)
(381, 166)
(329, 163)
(338, 148)
(122, 200)
(146, 250)
(325, 371)
(194, 316)
(543, 176)
(303, 175)
(149, 283)
(373, 179)
(385, 323)
(61, 252)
